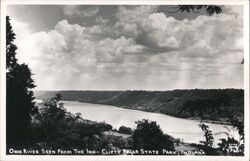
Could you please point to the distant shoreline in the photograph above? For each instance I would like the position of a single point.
(216, 106)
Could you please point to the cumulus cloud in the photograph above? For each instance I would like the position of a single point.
(136, 48)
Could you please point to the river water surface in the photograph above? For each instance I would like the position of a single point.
(186, 130)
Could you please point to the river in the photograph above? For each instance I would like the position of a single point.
(186, 130)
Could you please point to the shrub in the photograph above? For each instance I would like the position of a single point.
(149, 136)
(125, 130)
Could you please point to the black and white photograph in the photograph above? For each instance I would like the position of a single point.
(125, 80)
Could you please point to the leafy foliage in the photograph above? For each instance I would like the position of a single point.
(149, 136)
(208, 135)
(125, 130)
(11, 59)
(210, 9)
(229, 146)
(20, 105)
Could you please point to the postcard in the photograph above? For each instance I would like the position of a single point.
(124, 80)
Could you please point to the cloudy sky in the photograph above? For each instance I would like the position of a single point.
(129, 47)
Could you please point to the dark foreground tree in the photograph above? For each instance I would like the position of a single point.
(20, 100)
(149, 136)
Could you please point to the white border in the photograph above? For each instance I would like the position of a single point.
(4, 3)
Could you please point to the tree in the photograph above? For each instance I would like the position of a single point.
(50, 119)
(125, 130)
(207, 134)
(20, 103)
(149, 136)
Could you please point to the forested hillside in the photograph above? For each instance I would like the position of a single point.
(211, 104)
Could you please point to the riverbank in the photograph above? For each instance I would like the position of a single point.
(216, 105)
